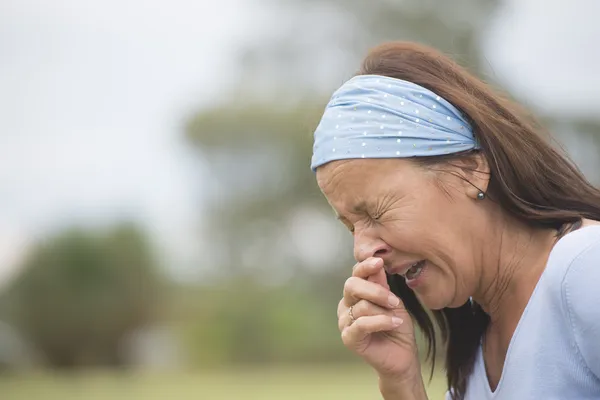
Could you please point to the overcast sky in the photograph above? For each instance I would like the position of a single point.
(548, 51)
(93, 95)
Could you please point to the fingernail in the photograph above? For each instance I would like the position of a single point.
(375, 261)
(397, 321)
(393, 300)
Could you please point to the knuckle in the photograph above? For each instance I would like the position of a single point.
(362, 267)
(341, 325)
(347, 284)
(361, 308)
(350, 285)
(351, 281)
(346, 337)
(340, 308)
(360, 325)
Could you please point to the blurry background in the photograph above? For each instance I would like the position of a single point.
(161, 233)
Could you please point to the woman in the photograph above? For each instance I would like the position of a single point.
(459, 206)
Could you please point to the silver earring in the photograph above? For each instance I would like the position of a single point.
(480, 195)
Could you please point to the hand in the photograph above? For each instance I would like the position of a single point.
(375, 324)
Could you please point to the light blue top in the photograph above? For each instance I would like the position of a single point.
(555, 350)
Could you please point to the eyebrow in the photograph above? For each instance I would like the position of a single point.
(359, 208)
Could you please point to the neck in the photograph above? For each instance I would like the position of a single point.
(511, 270)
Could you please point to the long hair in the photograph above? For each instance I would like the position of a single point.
(530, 179)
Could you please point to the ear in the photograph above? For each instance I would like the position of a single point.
(475, 171)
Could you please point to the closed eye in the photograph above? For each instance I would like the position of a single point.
(382, 206)
(349, 226)
(346, 223)
(376, 216)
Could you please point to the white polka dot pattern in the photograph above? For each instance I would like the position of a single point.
(374, 116)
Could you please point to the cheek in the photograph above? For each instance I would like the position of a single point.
(441, 288)
(456, 283)
(409, 228)
(430, 225)
(434, 228)
(425, 238)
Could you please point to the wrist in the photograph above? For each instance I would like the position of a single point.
(407, 387)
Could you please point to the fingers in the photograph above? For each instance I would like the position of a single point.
(379, 278)
(368, 267)
(372, 270)
(373, 306)
(361, 309)
(356, 289)
(354, 335)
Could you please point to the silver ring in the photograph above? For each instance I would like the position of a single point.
(351, 314)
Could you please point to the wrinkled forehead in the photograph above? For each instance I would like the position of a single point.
(356, 177)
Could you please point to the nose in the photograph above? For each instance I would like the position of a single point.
(366, 246)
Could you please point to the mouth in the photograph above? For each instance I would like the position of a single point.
(410, 271)
(415, 270)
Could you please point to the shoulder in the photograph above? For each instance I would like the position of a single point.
(579, 284)
(577, 252)
(576, 272)
(573, 268)
(580, 253)
(575, 246)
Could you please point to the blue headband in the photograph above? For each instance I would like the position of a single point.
(373, 116)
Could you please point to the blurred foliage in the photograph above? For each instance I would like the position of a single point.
(259, 141)
(274, 121)
(241, 323)
(244, 323)
(259, 144)
(346, 29)
(79, 293)
(299, 382)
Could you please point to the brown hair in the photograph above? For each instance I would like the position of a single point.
(529, 179)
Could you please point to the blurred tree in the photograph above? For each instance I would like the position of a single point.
(260, 147)
(243, 323)
(259, 143)
(259, 140)
(80, 293)
(284, 84)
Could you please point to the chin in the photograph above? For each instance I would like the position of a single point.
(434, 292)
(433, 302)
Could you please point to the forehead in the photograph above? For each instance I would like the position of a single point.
(349, 181)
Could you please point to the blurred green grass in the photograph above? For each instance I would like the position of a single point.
(251, 383)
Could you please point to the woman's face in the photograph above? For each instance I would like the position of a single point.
(411, 217)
